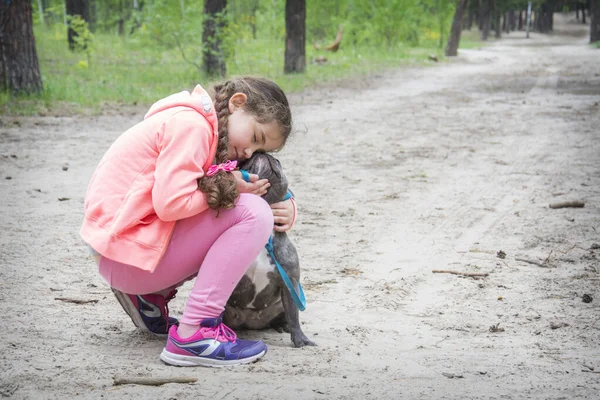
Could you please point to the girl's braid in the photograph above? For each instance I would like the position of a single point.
(223, 93)
(221, 188)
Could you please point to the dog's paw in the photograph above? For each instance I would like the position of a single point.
(301, 341)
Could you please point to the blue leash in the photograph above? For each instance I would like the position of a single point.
(297, 296)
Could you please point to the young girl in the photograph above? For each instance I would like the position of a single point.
(158, 213)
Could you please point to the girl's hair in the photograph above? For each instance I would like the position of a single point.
(266, 102)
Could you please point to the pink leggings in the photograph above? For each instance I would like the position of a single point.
(215, 250)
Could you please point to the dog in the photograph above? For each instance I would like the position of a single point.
(261, 299)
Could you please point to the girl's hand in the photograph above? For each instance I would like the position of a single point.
(255, 186)
(283, 214)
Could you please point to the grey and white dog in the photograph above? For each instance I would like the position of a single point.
(261, 299)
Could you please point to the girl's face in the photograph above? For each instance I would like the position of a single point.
(246, 135)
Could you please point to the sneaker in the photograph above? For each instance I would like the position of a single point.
(149, 312)
(214, 345)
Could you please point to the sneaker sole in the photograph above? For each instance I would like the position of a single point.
(133, 313)
(193, 361)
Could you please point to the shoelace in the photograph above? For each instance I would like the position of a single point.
(225, 332)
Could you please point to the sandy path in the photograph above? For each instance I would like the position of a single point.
(413, 170)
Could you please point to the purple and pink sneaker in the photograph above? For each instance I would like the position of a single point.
(149, 312)
(214, 345)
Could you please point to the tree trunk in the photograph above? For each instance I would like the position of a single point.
(486, 18)
(19, 68)
(497, 19)
(121, 20)
(214, 24)
(77, 7)
(497, 25)
(520, 22)
(93, 15)
(454, 38)
(513, 20)
(470, 16)
(595, 21)
(295, 36)
(41, 11)
(545, 17)
(551, 9)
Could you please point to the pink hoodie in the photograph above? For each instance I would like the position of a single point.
(147, 180)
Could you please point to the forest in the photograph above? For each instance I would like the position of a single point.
(85, 54)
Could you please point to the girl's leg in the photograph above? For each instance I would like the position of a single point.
(227, 259)
(218, 249)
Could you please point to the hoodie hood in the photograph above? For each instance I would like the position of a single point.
(198, 99)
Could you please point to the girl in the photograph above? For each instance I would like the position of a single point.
(149, 213)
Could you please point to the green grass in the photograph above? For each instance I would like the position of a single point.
(135, 72)
(470, 39)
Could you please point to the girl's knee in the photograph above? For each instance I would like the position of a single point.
(258, 210)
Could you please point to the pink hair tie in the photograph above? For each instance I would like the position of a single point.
(226, 166)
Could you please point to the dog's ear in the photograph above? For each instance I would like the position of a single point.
(275, 166)
(277, 171)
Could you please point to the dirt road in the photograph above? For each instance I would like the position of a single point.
(415, 170)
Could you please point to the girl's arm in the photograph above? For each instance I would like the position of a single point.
(183, 144)
(284, 214)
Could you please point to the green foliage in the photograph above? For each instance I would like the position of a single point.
(178, 24)
(381, 23)
(83, 38)
(160, 50)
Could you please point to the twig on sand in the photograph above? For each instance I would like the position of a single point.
(591, 372)
(76, 301)
(446, 271)
(568, 204)
(539, 264)
(151, 381)
(548, 258)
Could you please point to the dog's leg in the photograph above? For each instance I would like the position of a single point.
(280, 323)
(291, 314)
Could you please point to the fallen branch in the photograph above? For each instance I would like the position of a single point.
(567, 204)
(76, 301)
(336, 43)
(539, 264)
(151, 381)
(446, 271)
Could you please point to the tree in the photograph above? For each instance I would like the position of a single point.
(497, 20)
(214, 25)
(74, 8)
(486, 17)
(594, 11)
(295, 36)
(454, 38)
(19, 68)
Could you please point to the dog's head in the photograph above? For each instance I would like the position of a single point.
(268, 167)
